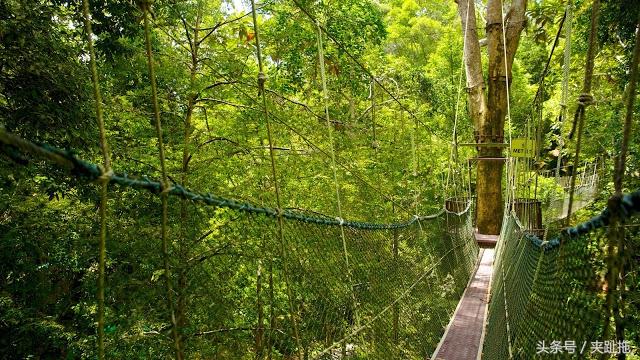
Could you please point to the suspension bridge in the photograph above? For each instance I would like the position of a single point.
(427, 287)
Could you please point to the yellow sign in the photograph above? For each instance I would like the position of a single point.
(523, 148)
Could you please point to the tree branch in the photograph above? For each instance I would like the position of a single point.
(473, 62)
(203, 236)
(515, 21)
(218, 138)
(280, 148)
(206, 255)
(177, 41)
(295, 102)
(219, 83)
(242, 149)
(220, 101)
(370, 107)
(186, 31)
(320, 118)
(211, 332)
(215, 27)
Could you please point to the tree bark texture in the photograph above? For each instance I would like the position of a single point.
(488, 109)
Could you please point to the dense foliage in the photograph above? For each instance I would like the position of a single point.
(393, 160)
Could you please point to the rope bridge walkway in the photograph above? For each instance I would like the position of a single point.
(463, 337)
(545, 291)
(403, 280)
(390, 292)
(301, 286)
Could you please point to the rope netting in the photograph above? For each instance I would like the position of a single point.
(403, 279)
(556, 202)
(541, 294)
(567, 296)
(403, 284)
(553, 291)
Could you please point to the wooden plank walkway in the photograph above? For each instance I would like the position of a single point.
(486, 241)
(463, 337)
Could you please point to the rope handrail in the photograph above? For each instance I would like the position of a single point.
(629, 203)
(145, 7)
(585, 98)
(628, 206)
(89, 171)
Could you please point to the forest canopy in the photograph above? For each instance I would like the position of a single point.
(363, 99)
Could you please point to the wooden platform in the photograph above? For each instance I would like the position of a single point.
(464, 335)
(486, 241)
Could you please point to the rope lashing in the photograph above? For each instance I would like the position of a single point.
(568, 19)
(262, 79)
(585, 100)
(105, 175)
(325, 96)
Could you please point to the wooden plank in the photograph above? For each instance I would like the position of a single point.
(486, 241)
(462, 339)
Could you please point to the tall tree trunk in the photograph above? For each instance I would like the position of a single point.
(488, 112)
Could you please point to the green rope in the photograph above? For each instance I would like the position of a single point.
(325, 96)
(585, 99)
(164, 185)
(261, 86)
(616, 232)
(88, 171)
(104, 182)
(538, 142)
(629, 205)
(566, 67)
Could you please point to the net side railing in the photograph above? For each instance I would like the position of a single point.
(392, 299)
(556, 207)
(265, 283)
(548, 297)
(543, 295)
